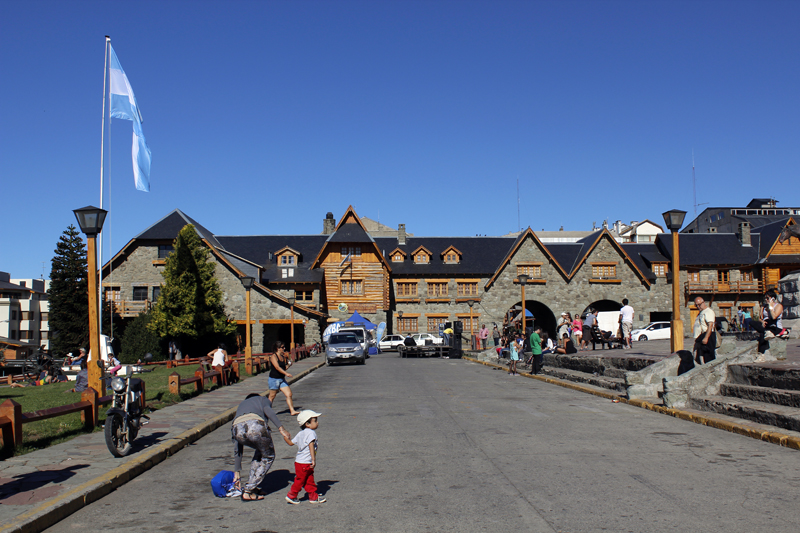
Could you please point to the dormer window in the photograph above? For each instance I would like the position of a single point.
(288, 260)
(287, 257)
(451, 256)
(398, 255)
(422, 256)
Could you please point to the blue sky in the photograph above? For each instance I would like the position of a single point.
(263, 116)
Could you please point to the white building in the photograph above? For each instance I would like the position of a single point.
(24, 312)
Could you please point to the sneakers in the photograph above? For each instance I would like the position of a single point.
(769, 335)
(784, 334)
(293, 501)
(319, 499)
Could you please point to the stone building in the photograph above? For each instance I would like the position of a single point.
(417, 283)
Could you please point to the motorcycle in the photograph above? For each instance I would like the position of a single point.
(125, 417)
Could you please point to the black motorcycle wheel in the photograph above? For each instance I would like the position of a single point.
(116, 439)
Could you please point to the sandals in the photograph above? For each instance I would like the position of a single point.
(251, 497)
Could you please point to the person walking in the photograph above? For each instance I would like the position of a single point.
(496, 336)
(484, 335)
(577, 329)
(626, 323)
(705, 340)
(515, 350)
(279, 363)
(588, 323)
(536, 350)
(306, 460)
(251, 428)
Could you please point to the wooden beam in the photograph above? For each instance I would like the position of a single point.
(279, 321)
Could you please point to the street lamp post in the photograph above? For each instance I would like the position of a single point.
(91, 219)
(470, 303)
(523, 279)
(247, 282)
(399, 321)
(674, 221)
(291, 305)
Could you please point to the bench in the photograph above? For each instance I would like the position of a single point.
(12, 417)
(176, 382)
(597, 337)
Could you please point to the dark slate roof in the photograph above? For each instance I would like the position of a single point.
(168, 228)
(566, 253)
(350, 233)
(643, 255)
(769, 234)
(14, 287)
(706, 249)
(782, 259)
(480, 255)
(258, 249)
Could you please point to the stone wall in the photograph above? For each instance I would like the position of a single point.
(137, 270)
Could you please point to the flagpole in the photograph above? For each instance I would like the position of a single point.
(102, 165)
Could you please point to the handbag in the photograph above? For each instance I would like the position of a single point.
(222, 483)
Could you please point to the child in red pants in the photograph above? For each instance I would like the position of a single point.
(306, 460)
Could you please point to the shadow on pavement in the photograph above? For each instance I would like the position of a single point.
(36, 480)
(275, 481)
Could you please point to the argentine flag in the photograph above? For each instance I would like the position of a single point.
(123, 105)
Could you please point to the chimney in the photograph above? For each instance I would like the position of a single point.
(744, 233)
(401, 234)
(329, 224)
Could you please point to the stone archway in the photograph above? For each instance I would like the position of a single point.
(543, 317)
(604, 305)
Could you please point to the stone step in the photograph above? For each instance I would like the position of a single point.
(605, 382)
(601, 362)
(786, 398)
(777, 375)
(760, 412)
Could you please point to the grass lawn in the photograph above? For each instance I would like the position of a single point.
(44, 433)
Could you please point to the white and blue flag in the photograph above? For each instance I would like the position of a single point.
(123, 105)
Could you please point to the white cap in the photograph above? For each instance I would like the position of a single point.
(306, 415)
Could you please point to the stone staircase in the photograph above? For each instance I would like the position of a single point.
(599, 368)
(763, 393)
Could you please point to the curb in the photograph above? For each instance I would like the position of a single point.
(773, 437)
(60, 507)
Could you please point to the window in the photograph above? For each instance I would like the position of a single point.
(693, 275)
(434, 321)
(287, 260)
(44, 335)
(26, 315)
(532, 270)
(25, 335)
(437, 289)
(604, 271)
(13, 334)
(287, 272)
(139, 294)
(726, 312)
(724, 276)
(350, 286)
(407, 324)
(465, 321)
(304, 296)
(747, 275)
(354, 251)
(467, 288)
(13, 314)
(112, 294)
(156, 293)
(45, 317)
(660, 269)
(407, 288)
(164, 250)
(451, 258)
(397, 258)
(421, 258)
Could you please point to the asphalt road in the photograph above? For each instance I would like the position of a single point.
(446, 445)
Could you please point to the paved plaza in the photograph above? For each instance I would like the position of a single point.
(449, 445)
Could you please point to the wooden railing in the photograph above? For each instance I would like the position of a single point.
(716, 287)
(129, 308)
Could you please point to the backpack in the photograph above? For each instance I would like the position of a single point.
(222, 483)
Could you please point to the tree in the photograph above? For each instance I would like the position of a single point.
(138, 340)
(189, 308)
(69, 295)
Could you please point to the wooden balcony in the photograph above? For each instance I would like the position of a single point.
(131, 308)
(733, 287)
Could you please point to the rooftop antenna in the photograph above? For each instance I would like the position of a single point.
(519, 223)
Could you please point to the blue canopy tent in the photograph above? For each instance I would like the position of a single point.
(358, 319)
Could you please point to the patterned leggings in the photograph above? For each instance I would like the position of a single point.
(255, 434)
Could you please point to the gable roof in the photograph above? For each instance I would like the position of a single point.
(449, 248)
(351, 229)
(259, 250)
(168, 228)
(422, 248)
(598, 236)
(528, 233)
(481, 255)
(770, 234)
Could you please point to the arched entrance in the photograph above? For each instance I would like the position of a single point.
(604, 305)
(607, 314)
(542, 316)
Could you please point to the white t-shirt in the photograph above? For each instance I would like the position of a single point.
(701, 323)
(302, 440)
(219, 358)
(627, 314)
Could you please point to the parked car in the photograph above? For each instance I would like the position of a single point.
(364, 336)
(653, 331)
(344, 347)
(420, 339)
(391, 342)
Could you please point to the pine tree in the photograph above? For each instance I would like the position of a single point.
(189, 308)
(69, 295)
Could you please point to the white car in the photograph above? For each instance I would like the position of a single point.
(420, 339)
(391, 342)
(653, 331)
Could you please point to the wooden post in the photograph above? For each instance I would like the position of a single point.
(291, 345)
(95, 368)
(89, 418)
(248, 351)
(13, 411)
(523, 310)
(235, 370)
(202, 384)
(676, 331)
(175, 383)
